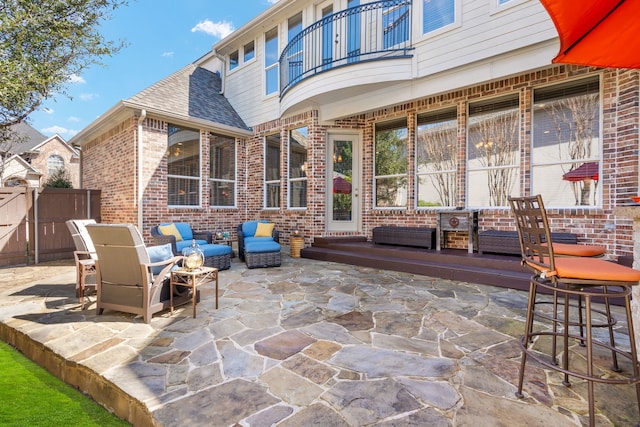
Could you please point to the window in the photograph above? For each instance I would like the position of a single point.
(353, 32)
(298, 145)
(437, 159)
(249, 51)
(396, 20)
(222, 171)
(391, 164)
(183, 166)
(566, 143)
(272, 171)
(493, 152)
(233, 60)
(271, 61)
(54, 164)
(437, 14)
(295, 53)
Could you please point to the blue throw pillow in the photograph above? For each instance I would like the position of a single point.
(159, 253)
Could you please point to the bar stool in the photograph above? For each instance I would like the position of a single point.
(584, 278)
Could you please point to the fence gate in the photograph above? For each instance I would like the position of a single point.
(32, 222)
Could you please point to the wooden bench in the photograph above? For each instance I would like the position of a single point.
(508, 242)
(422, 237)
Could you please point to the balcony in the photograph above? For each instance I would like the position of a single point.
(370, 32)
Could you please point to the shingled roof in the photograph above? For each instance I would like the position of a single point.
(30, 138)
(191, 92)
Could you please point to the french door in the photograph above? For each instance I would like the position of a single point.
(343, 182)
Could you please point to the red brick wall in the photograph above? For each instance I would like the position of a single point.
(593, 225)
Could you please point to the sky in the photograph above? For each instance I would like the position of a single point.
(162, 36)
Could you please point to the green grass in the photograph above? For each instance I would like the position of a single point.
(31, 396)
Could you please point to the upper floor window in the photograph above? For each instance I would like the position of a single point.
(272, 171)
(249, 51)
(295, 53)
(390, 174)
(222, 170)
(396, 21)
(271, 61)
(183, 166)
(437, 159)
(493, 152)
(233, 60)
(437, 14)
(54, 164)
(298, 145)
(566, 149)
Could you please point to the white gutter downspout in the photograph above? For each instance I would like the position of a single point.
(143, 115)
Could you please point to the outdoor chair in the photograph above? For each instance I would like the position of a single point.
(84, 257)
(181, 236)
(258, 244)
(130, 277)
(568, 278)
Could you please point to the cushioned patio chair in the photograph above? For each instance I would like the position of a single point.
(567, 279)
(258, 244)
(180, 236)
(130, 277)
(84, 257)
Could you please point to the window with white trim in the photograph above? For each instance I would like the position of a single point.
(183, 166)
(437, 14)
(233, 60)
(272, 173)
(249, 51)
(295, 58)
(437, 159)
(54, 164)
(493, 152)
(298, 146)
(566, 149)
(271, 61)
(390, 167)
(222, 171)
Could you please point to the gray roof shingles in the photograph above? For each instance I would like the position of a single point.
(194, 92)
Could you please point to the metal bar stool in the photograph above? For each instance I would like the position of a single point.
(566, 278)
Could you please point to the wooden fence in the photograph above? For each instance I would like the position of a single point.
(32, 222)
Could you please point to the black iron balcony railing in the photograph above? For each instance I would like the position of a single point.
(373, 31)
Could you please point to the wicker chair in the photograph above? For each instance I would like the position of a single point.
(215, 255)
(84, 257)
(128, 279)
(258, 251)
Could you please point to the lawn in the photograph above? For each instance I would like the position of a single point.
(31, 396)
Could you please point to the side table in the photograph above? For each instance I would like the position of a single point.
(296, 244)
(226, 241)
(193, 279)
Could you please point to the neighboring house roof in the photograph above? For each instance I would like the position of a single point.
(192, 91)
(32, 139)
(16, 166)
(190, 95)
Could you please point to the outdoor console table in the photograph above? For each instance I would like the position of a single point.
(633, 212)
(465, 221)
(193, 279)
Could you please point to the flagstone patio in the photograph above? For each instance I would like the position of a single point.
(308, 343)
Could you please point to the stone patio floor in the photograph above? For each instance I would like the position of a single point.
(308, 343)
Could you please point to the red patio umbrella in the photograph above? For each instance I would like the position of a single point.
(601, 33)
(584, 171)
(341, 185)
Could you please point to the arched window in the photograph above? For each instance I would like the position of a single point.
(54, 163)
(15, 182)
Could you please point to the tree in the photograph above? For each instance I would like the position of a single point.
(60, 179)
(43, 45)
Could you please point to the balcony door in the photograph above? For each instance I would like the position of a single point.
(323, 11)
(343, 182)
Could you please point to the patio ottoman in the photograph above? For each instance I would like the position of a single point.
(217, 256)
(262, 254)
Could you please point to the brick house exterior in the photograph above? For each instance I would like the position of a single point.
(35, 153)
(124, 153)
